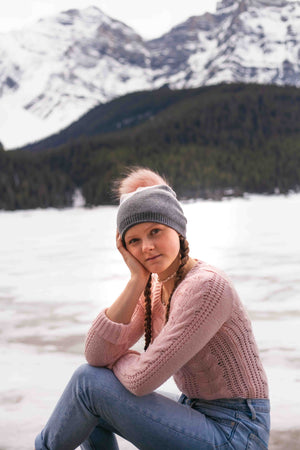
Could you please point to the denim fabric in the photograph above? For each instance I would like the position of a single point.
(95, 406)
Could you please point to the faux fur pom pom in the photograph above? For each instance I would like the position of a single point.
(138, 177)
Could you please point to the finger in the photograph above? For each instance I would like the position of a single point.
(119, 242)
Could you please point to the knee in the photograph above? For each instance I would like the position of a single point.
(86, 377)
(83, 371)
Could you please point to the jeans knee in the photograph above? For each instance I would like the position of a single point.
(87, 378)
(83, 371)
(82, 375)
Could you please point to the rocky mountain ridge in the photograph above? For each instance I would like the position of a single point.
(63, 66)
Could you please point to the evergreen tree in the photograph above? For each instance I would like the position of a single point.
(205, 140)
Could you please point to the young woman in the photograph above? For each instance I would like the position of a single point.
(196, 330)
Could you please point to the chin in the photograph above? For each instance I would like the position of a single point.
(155, 269)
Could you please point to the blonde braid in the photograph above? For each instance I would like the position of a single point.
(148, 318)
(184, 256)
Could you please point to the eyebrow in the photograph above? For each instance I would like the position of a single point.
(134, 235)
(130, 236)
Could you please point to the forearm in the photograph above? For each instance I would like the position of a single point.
(122, 309)
(200, 307)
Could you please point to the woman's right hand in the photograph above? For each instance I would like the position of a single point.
(137, 270)
(122, 309)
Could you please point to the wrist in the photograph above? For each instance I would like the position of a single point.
(139, 280)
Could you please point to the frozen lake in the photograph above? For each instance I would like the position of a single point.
(59, 268)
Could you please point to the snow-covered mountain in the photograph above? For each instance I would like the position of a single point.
(63, 66)
(246, 40)
(58, 69)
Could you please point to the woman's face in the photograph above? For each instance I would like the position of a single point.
(154, 245)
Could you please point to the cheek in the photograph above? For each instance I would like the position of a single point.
(176, 247)
(175, 243)
(134, 251)
(172, 245)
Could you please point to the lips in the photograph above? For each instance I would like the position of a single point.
(152, 258)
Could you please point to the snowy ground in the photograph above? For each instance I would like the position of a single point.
(58, 269)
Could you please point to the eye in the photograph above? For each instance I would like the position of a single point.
(155, 230)
(132, 241)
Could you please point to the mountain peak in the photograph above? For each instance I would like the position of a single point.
(55, 71)
(234, 4)
(73, 16)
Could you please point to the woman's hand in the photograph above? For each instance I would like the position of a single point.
(137, 270)
(122, 309)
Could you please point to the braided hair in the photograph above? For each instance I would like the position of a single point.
(184, 255)
(148, 320)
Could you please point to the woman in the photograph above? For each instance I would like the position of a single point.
(196, 330)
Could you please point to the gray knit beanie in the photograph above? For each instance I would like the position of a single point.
(151, 204)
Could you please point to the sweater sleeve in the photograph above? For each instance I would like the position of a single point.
(200, 306)
(106, 340)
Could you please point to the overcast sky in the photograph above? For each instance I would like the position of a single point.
(149, 18)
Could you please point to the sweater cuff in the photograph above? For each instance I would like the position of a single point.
(113, 332)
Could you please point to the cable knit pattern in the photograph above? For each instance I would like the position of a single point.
(107, 341)
(207, 344)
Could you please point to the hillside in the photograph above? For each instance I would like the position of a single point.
(124, 112)
(206, 141)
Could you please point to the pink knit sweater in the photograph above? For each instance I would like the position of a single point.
(207, 344)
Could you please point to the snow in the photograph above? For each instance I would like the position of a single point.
(61, 73)
(60, 267)
(54, 86)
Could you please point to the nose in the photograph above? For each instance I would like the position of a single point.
(147, 245)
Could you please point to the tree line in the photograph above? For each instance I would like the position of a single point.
(207, 141)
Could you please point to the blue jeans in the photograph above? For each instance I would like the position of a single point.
(95, 406)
